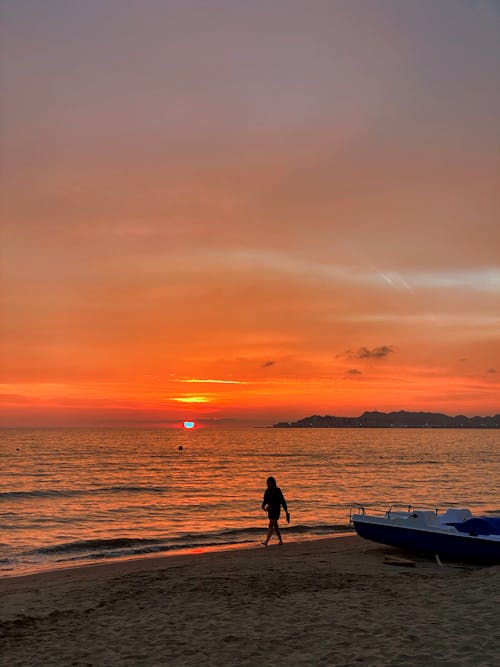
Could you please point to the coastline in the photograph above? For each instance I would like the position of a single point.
(154, 560)
(330, 601)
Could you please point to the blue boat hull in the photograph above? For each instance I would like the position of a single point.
(443, 544)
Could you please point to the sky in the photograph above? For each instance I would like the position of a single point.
(248, 212)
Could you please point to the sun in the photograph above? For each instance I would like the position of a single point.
(189, 424)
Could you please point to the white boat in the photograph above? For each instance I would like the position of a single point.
(454, 533)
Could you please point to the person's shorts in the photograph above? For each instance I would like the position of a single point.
(273, 515)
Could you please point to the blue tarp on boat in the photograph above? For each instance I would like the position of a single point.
(481, 525)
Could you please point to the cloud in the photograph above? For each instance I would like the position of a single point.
(267, 364)
(374, 353)
(192, 399)
(492, 370)
(481, 279)
(209, 381)
(353, 371)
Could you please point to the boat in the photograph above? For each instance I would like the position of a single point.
(454, 533)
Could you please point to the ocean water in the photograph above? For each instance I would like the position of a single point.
(75, 496)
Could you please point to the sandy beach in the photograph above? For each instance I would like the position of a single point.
(332, 601)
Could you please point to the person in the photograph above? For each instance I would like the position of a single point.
(273, 500)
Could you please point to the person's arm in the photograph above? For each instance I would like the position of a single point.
(264, 502)
(283, 502)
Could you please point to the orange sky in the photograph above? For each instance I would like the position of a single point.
(248, 211)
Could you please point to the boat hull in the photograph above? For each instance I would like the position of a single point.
(431, 542)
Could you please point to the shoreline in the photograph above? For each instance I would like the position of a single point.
(155, 560)
(328, 601)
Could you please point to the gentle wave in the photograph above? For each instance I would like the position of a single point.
(67, 493)
(315, 529)
(85, 545)
(127, 553)
(116, 546)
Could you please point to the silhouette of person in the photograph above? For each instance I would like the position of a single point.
(273, 500)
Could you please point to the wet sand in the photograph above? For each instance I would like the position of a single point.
(332, 601)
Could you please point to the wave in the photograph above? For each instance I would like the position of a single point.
(298, 529)
(67, 493)
(129, 546)
(124, 553)
(103, 544)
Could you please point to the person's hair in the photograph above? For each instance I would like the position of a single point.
(271, 481)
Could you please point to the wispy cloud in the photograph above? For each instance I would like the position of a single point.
(267, 364)
(393, 279)
(480, 279)
(212, 381)
(374, 353)
(192, 399)
(484, 280)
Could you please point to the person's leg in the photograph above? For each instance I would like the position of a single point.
(278, 533)
(269, 532)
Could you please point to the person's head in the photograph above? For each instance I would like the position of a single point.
(271, 483)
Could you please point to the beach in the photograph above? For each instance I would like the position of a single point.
(85, 496)
(332, 601)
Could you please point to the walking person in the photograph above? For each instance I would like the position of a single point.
(272, 503)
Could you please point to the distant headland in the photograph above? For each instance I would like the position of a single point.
(401, 419)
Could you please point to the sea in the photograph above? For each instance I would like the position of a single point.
(70, 497)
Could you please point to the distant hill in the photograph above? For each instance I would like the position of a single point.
(401, 419)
